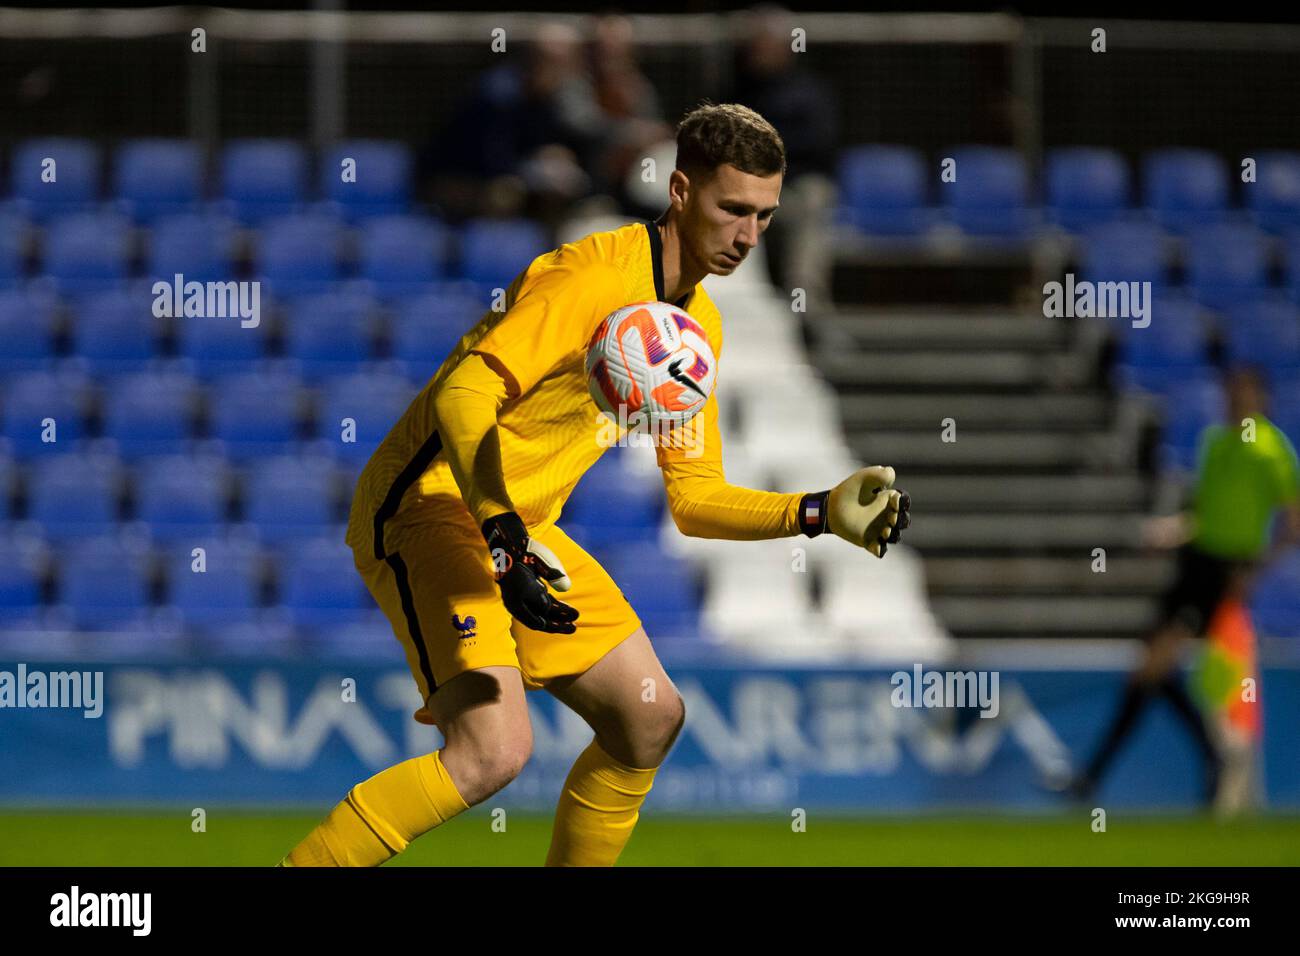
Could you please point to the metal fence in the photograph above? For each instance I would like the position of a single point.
(928, 80)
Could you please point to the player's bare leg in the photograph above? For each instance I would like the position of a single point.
(484, 721)
(488, 739)
(629, 701)
(636, 713)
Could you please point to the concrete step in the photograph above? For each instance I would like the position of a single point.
(1064, 411)
(991, 575)
(1056, 494)
(992, 451)
(901, 330)
(941, 246)
(999, 369)
(1064, 535)
(1046, 616)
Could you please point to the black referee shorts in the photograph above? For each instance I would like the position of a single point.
(1201, 582)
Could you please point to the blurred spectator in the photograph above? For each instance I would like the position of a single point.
(630, 105)
(805, 111)
(524, 140)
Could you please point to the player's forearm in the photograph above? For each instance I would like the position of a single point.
(466, 407)
(703, 508)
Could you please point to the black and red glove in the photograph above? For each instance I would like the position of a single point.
(523, 569)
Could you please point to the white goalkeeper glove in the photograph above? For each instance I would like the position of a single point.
(864, 509)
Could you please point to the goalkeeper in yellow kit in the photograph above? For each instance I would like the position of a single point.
(453, 524)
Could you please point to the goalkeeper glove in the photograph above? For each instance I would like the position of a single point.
(863, 509)
(522, 567)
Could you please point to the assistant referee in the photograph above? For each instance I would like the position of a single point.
(1246, 470)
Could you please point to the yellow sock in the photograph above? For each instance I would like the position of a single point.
(598, 808)
(381, 816)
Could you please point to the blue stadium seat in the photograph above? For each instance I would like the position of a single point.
(319, 585)
(990, 194)
(76, 170)
(157, 177)
(383, 178)
(30, 399)
(1264, 332)
(451, 304)
(347, 471)
(1274, 198)
(374, 401)
(612, 506)
(23, 565)
(227, 591)
(1292, 265)
(182, 498)
(1185, 188)
(299, 255)
(27, 329)
(288, 497)
(1172, 349)
(255, 415)
(1275, 598)
(14, 236)
(1189, 409)
(216, 346)
(116, 333)
(426, 330)
(197, 246)
(150, 413)
(105, 584)
(1125, 252)
(1227, 264)
(261, 178)
(329, 335)
(1160, 379)
(663, 590)
(87, 253)
(1285, 411)
(75, 495)
(1086, 186)
(371, 639)
(494, 251)
(9, 472)
(403, 255)
(883, 190)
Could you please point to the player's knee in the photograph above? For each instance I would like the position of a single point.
(676, 716)
(677, 719)
(503, 764)
(660, 732)
(483, 769)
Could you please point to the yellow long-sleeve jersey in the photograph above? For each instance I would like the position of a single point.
(507, 424)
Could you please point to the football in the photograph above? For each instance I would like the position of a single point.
(650, 361)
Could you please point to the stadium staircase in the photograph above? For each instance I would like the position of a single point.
(1043, 466)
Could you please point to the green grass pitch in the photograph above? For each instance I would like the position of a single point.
(243, 838)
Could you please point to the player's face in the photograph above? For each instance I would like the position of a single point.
(726, 215)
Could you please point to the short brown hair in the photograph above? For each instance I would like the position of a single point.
(716, 133)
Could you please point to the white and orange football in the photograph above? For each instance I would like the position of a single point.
(651, 359)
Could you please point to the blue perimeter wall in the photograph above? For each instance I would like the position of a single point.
(757, 740)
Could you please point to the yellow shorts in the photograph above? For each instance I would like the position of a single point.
(439, 594)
